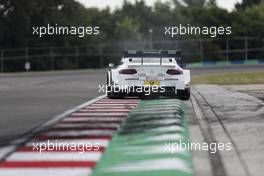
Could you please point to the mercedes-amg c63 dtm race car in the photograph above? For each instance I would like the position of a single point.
(148, 72)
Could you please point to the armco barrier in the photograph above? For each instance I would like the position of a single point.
(209, 63)
(237, 62)
(225, 63)
(261, 61)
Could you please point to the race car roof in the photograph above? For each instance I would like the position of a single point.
(152, 53)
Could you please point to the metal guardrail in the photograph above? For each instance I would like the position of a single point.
(225, 63)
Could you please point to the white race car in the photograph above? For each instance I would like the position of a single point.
(147, 72)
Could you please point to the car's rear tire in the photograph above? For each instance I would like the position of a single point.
(113, 94)
(184, 94)
(110, 90)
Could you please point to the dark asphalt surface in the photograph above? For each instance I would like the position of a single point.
(226, 69)
(259, 95)
(29, 99)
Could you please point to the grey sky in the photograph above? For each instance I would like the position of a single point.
(228, 4)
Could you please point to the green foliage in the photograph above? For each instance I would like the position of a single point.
(130, 23)
(128, 29)
(247, 3)
(230, 78)
(249, 22)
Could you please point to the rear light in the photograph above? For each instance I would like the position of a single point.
(128, 71)
(174, 72)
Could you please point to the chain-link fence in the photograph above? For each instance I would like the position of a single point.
(80, 57)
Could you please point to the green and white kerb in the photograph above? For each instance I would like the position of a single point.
(140, 147)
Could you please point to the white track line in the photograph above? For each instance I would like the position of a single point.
(82, 124)
(51, 122)
(6, 149)
(96, 114)
(55, 156)
(91, 119)
(80, 133)
(45, 171)
(26, 162)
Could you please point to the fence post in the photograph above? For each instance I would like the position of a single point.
(150, 38)
(201, 50)
(227, 49)
(27, 64)
(246, 48)
(101, 56)
(2, 61)
(51, 59)
(125, 44)
(76, 57)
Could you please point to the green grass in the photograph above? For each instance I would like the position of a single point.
(230, 78)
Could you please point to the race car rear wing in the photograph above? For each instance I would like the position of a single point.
(153, 53)
(176, 54)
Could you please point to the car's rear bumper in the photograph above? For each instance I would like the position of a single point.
(176, 84)
(146, 90)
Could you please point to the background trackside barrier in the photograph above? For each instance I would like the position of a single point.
(225, 63)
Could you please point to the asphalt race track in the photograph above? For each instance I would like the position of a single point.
(29, 99)
(227, 114)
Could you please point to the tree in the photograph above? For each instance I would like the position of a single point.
(128, 31)
(190, 2)
(247, 3)
(18, 17)
(250, 21)
(212, 3)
